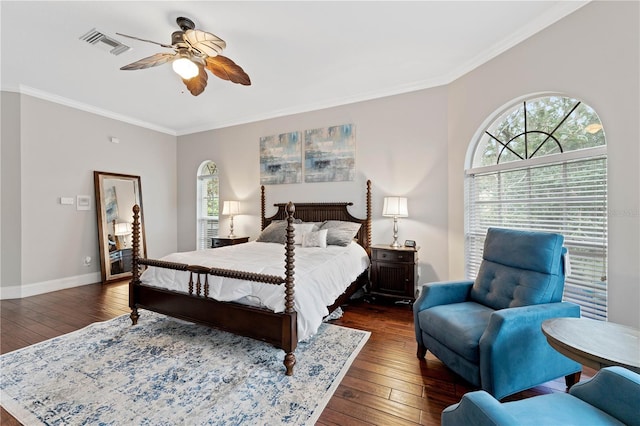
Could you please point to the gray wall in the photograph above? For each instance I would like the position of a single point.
(50, 151)
(401, 147)
(10, 184)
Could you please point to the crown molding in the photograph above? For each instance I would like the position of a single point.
(30, 91)
(331, 103)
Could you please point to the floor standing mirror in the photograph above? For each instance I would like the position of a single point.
(116, 194)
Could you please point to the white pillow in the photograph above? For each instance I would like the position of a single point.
(315, 239)
(300, 229)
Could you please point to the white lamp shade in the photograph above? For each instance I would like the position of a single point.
(395, 207)
(122, 228)
(231, 208)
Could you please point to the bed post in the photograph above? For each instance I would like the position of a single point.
(135, 272)
(368, 236)
(262, 207)
(290, 358)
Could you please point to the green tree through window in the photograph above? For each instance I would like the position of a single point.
(540, 127)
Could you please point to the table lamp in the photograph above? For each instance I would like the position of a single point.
(395, 207)
(231, 208)
(121, 230)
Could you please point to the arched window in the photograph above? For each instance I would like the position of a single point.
(542, 165)
(208, 204)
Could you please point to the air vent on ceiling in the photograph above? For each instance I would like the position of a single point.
(98, 39)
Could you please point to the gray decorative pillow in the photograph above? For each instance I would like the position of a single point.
(315, 238)
(276, 232)
(341, 233)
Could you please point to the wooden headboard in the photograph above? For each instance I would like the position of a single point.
(318, 212)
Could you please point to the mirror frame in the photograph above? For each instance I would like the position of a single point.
(104, 227)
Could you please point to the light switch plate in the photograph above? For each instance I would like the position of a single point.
(66, 200)
(84, 202)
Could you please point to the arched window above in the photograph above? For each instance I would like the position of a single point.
(542, 165)
(208, 204)
(539, 127)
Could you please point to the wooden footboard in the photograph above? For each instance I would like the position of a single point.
(278, 329)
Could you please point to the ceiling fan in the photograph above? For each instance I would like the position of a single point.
(194, 51)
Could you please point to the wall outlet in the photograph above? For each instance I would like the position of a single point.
(87, 261)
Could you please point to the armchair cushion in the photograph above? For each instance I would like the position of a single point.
(534, 251)
(458, 326)
(519, 268)
(501, 287)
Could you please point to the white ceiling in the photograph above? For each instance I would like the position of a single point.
(300, 55)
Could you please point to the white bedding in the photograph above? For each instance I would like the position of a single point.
(320, 276)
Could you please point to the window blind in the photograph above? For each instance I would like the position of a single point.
(569, 198)
(208, 203)
(208, 229)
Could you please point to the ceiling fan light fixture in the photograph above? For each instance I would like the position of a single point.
(194, 52)
(185, 68)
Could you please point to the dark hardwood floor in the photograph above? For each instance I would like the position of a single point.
(386, 384)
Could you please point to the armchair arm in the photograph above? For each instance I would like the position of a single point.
(515, 354)
(439, 293)
(442, 293)
(614, 390)
(479, 409)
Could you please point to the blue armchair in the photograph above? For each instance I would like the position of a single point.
(611, 397)
(488, 331)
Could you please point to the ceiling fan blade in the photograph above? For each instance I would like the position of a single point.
(197, 84)
(151, 61)
(204, 42)
(168, 46)
(226, 69)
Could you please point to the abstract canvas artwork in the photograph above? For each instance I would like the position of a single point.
(330, 154)
(281, 159)
(111, 204)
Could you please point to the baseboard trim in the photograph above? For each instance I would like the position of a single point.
(26, 290)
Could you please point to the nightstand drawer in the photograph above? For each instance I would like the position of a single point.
(394, 255)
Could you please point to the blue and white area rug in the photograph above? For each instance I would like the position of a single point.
(168, 372)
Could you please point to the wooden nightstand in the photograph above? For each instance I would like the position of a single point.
(121, 261)
(226, 241)
(394, 271)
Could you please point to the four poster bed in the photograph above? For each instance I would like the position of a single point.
(246, 312)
